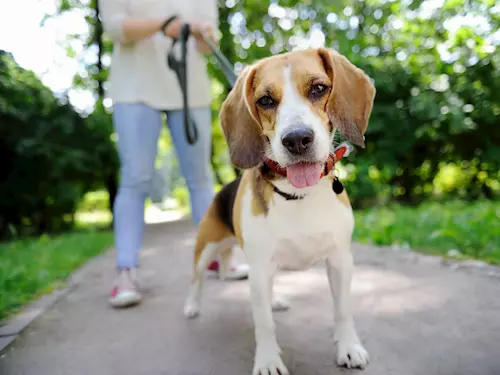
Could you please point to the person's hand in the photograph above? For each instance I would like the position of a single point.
(196, 30)
(173, 29)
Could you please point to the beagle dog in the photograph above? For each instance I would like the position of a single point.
(288, 211)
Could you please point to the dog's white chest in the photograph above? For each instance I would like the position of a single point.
(301, 250)
(300, 233)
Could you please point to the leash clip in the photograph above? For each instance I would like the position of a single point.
(337, 185)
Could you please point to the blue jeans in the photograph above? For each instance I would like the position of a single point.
(138, 129)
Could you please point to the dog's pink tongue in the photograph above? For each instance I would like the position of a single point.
(301, 175)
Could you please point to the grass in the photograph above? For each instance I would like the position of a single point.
(459, 229)
(34, 266)
(31, 267)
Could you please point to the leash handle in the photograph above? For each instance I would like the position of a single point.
(180, 68)
(190, 127)
(225, 64)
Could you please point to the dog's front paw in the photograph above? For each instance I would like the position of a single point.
(191, 309)
(269, 363)
(352, 355)
(350, 351)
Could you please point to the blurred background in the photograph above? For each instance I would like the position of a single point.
(428, 179)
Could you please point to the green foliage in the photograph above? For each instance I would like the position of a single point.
(51, 155)
(99, 126)
(471, 230)
(94, 201)
(181, 194)
(435, 65)
(436, 70)
(32, 267)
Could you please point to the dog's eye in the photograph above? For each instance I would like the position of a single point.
(317, 91)
(266, 102)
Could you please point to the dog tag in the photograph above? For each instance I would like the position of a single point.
(337, 186)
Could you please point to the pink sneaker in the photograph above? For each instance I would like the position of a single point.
(235, 271)
(126, 290)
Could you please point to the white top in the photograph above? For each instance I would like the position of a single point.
(139, 72)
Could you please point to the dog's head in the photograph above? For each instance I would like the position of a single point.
(287, 107)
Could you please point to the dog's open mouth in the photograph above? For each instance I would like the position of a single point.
(304, 174)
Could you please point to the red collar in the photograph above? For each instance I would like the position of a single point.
(342, 150)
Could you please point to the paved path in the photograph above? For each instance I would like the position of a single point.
(415, 316)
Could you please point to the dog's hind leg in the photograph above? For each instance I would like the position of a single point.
(224, 262)
(213, 238)
(278, 303)
(192, 304)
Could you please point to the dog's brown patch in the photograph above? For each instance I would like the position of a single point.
(238, 207)
(262, 194)
(351, 98)
(344, 198)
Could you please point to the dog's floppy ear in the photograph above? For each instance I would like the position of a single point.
(240, 125)
(351, 99)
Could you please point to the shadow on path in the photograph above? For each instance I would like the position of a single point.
(415, 318)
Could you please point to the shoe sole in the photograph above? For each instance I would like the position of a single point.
(125, 299)
(216, 275)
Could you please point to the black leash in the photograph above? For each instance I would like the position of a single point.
(226, 66)
(180, 68)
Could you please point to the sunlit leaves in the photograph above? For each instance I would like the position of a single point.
(435, 64)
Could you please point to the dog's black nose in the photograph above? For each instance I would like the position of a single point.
(298, 141)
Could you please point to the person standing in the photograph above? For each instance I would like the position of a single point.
(142, 88)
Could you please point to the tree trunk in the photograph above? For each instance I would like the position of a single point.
(112, 181)
(98, 34)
